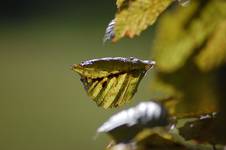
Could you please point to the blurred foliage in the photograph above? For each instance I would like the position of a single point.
(200, 129)
(190, 53)
(156, 138)
(215, 48)
(128, 132)
(196, 29)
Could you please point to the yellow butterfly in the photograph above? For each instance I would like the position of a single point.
(112, 81)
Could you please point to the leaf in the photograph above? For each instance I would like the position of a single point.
(192, 91)
(134, 16)
(214, 53)
(143, 127)
(121, 3)
(184, 31)
(112, 82)
(125, 125)
(186, 37)
(199, 129)
(159, 139)
(203, 128)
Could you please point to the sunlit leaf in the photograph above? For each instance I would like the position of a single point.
(134, 16)
(121, 3)
(111, 82)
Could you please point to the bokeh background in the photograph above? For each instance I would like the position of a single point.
(43, 105)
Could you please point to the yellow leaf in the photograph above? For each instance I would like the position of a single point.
(112, 82)
(119, 3)
(134, 16)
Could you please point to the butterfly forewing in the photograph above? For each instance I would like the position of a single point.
(111, 82)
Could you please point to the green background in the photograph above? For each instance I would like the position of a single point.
(43, 105)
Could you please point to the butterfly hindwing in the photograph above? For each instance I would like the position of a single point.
(112, 82)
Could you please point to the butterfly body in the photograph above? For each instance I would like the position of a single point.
(112, 81)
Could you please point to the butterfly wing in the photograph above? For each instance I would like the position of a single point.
(111, 82)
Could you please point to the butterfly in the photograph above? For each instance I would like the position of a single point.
(112, 81)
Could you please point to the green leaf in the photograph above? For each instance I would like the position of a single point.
(158, 139)
(189, 42)
(112, 82)
(213, 54)
(202, 129)
(134, 16)
(184, 31)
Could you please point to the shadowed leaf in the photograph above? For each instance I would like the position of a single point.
(202, 129)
